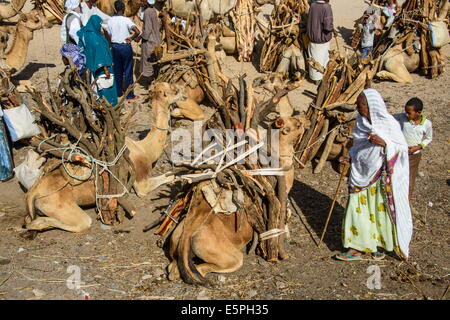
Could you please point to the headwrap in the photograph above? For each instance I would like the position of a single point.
(151, 1)
(94, 45)
(72, 4)
(367, 159)
(72, 51)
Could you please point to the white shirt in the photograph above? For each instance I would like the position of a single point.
(74, 27)
(415, 134)
(87, 12)
(119, 28)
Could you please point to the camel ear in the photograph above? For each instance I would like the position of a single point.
(279, 123)
(305, 121)
(285, 130)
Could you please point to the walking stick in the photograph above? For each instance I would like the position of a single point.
(344, 171)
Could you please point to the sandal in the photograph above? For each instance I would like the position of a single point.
(347, 257)
(378, 255)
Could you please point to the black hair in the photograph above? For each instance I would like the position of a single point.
(416, 103)
(119, 6)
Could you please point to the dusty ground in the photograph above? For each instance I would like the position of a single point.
(124, 263)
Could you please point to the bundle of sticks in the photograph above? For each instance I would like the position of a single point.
(286, 34)
(333, 112)
(86, 136)
(243, 17)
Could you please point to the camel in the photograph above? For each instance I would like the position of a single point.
(131, 6)
(23, 34)
(60, 197)
(215, 238)
(208, 8)
(9, 10)
(398, 65)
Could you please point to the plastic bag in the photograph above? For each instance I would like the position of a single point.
(439, 34)
(6, 165)
(20, 122)
(29, 171)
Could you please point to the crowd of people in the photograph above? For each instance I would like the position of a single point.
(100, 46)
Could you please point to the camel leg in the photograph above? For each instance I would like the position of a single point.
(386, 75)
(61, 213)
(227, 258)
(172, 269)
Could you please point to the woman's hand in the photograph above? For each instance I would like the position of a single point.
(107, 73)
(377, 140)
(411, 150)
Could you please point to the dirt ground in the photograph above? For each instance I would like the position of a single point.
(123, 262)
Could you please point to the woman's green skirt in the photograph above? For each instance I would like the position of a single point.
(367, 223)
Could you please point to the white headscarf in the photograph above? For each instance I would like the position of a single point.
(151, 1)
(72, 4)
(367, 159)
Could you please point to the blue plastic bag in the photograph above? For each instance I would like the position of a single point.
(6, 164)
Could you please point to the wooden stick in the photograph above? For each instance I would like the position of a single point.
(344, 171)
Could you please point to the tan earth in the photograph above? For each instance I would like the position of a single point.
(122, 262)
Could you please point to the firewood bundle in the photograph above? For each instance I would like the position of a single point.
(264, 200)
(86, 137)
(285, 37)
(243, 17)
(333, 112)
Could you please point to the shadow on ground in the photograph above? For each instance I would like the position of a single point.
(30, 69)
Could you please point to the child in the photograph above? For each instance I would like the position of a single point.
(368, 34)
(418, 133)
(389, 11)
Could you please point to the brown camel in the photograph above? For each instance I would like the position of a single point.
(23, 34)
(60, 197)
(215, 238)
(9, 10)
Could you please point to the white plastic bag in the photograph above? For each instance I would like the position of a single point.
(103, 83)
(20, 122)
(439, 34)
(29, 171)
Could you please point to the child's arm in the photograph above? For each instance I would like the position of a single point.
(428, 135)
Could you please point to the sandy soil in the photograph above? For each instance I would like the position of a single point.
(124, 263)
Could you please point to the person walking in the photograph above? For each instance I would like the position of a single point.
(119, 28)
(320, 31)
(99, 62)
(378, 214)
(150, 39)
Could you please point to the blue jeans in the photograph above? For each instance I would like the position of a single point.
(366, 51)
(123, 68)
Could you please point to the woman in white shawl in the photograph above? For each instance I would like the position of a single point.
(378, 213)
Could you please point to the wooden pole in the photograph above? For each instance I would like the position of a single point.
(344, 171)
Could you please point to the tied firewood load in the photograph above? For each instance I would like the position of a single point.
(243, 17)
(414, 42)
(84, 138)
(333, 112)
(285, 39)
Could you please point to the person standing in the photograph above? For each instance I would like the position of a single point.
(119, 28)
(368, 35)
(88, 9)
(99, 62)
(71, 22)
(418, 133)
(320, 31)
(150, 39)
(378, 214)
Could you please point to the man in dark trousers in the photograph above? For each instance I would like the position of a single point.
(119, 28)
(320, 31)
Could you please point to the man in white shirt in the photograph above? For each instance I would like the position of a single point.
(88, 9)
(418, 133)
(71, 23)
(119, 29)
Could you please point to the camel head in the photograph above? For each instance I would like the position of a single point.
(34, 20)
(291, 128)
(168, 93)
